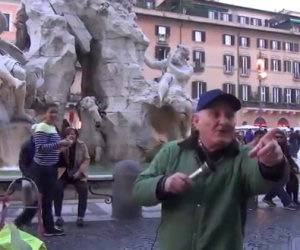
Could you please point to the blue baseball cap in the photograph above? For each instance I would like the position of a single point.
(214, 95)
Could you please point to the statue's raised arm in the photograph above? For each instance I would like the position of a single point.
(156, 64)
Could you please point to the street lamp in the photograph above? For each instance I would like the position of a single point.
(261, 75)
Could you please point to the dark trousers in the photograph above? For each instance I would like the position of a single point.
(45, 178)
(281, 193)
(81, 188)
(292, 187)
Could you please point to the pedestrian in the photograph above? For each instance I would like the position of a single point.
(294, 143)
(46, 156)
(77, 161)
(25, 164)
(292, 186)
(208, 211)
(279, 190)
(249, 136)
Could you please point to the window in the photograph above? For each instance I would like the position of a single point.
(262, 43)
(244, 41)
(228, 40)
(275, 45)
(243, 20)
(296, 47)
(245, 65)
(198, 88)
(287, 66)
(264, 94)
(162, 32)
(275, 65)
(7, 24)
(199, 60)
(296, 69)
(213, 14)
(291, 47)
(228, 64)
(256, 22)
(266, 63)
(229, 88)
(198, 36)
(245, 92)
(161, 52)
(226, 17)
(276, 95)
(288, 96)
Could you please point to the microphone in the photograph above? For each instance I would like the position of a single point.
(204, 170)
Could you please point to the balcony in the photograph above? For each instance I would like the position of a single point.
(253, 103)
(145, 4)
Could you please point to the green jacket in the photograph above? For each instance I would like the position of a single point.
(210, 216)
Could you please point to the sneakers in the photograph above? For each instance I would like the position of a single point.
(269, 202)
(55, 232)
(291, 206)
(59, 222)
(79, 222)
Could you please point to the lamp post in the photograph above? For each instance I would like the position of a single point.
(261, 75)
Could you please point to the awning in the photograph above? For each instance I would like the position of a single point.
(295, 20)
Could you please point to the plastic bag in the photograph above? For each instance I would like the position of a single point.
(11, 238)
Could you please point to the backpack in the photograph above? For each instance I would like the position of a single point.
(26, 155)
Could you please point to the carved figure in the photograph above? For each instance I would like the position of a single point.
(177, 72)
(90, 131)
(12, 72)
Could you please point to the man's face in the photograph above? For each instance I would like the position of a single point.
(216, 125)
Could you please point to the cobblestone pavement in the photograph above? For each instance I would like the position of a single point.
(267, 228)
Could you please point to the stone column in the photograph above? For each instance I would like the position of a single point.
(124, 206)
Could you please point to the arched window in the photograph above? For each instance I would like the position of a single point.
(260, 122)
(282, 122)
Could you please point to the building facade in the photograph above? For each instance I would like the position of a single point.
(225, 42)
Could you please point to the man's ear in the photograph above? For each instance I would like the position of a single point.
(195, 118)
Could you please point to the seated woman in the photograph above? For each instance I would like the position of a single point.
(77, 160)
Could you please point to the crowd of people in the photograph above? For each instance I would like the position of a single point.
(40, 157)
(287, 190)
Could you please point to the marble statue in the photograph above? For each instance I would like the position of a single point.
(176, 74)
(90, 131)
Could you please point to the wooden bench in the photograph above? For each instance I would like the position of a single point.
(6, 177)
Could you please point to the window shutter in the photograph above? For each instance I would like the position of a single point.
(224, 60)
(257, 42)
(240, 92)
(266, 23)
(194, 55)
(266, 43)
(293, 96)
(230, 17)
(267, 94)
(279, 46)
(194, 35)
(239, 19)
(240, 62)
(248, 41)
(232, 40)
(232, 61)
(279, 65)
(271, 44)
(203, 56)
(259, 22)
(284, 66)
(280, 95)
(203, 36)
(292, 46)
(283, 45)
(204, 87)
(247, 20)
(296, 47)
(168, 31)
(156, 30)
(194, 90)
(156, 52)
(216, 15)
(249, 93)
(272, 64)
(224, 87)
(284, 98)
(233, 89)
(249, 62)
(223, 39)
(240, 41)
(266, 63)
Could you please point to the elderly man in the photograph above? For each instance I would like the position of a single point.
(208, 211)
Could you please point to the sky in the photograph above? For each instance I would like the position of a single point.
(270, 5)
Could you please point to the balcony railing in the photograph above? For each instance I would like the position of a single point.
(253, 103)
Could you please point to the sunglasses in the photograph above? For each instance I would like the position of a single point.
(279, 137)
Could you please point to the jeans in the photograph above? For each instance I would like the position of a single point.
(81, 188)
